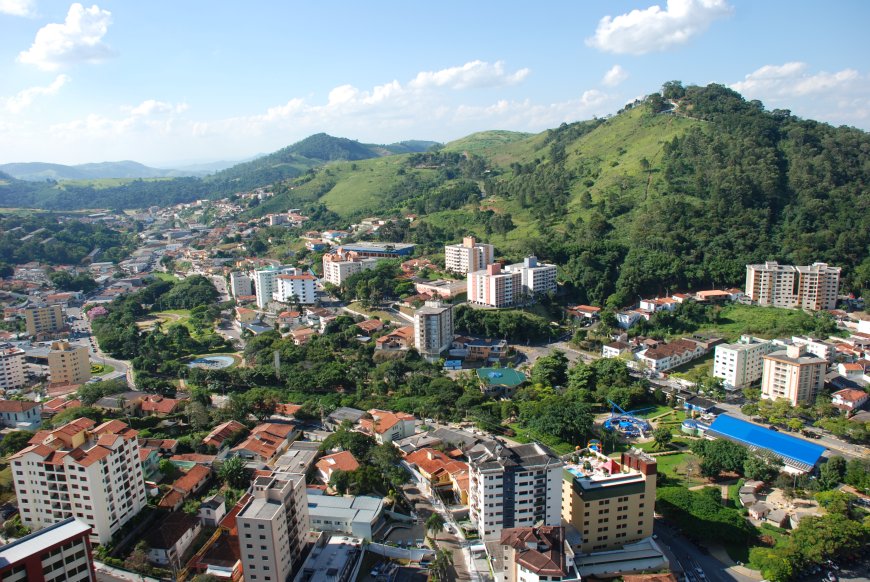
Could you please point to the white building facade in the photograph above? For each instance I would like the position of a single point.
(338, 267)
(535, 278)
(740, 364)
(300, 287)
(433, 329)
(11, 368)
(241, 285)
(469, 256)
(813, 287)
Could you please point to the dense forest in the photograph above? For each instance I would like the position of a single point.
(59, 241)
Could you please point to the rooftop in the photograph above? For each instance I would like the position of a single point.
(360, 508)
(41, 540)
(494, 455)
(793, 450)
(326, 561)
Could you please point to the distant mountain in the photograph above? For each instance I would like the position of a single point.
(40, 171)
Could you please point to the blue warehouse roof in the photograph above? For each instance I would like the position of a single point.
(794, 451)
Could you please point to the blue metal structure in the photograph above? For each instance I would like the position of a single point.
(625, 422)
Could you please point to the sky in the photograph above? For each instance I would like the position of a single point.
(170, 83)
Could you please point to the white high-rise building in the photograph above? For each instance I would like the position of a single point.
(494, 288)
(468, 257)
(536, 279)
(272, 527)
(433, 329)
(266, 283)
(740, 364)
(517, 486)
(11, 367)
(813, 287)
(82, 471)
(241, 285)
(340, 265)
(301, 287)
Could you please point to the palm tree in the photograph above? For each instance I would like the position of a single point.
(434, 524)
(440, 565)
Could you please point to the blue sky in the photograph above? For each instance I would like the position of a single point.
(166, 83)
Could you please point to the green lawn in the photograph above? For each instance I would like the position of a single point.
(101, 369)
(673, 467)
(695, 369)
(165, 276)
(765, 322)
(657, 410)
(382, 315)
(524, 435)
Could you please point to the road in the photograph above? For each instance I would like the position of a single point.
(221, 285)
(692, 562)
(81, 325)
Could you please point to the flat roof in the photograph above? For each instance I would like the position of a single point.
(788, 447)
(327, 561)
(360, 508)
(38, 541)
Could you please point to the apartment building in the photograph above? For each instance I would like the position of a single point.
(433, 329)
(241, 285)
(84, 471)
(792, 374)
(296, 287)
(11, 368)
(341, 265)
(812, 287)
(740, 364)
(46, 319)
(494, 288)
(266, 283)
(535, 278)
(58, 553)
(68, 364)
(273, 526)
(518, 486)
(665, 356)
(469, 256)
(819, 348)
(610, 504)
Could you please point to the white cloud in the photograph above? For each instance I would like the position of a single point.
(792, 79)
(24, 99)
(154, 107)
(78, 39)
(17, 7)
(474, 74)
(655, 29)
(148, 115)
(614, 76)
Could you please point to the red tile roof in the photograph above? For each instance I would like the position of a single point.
(538, 549)
(343, 461)
(10, 406)
(222, 432)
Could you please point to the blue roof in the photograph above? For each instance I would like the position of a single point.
(786, 446)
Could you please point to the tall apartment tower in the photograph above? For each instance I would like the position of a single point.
(433, 329)
(812, 287)
(517, 486)
(43, 319)
(740, 364)
(794, 375)
(273, 526)
(68, 364)
(494, 288)
(82, 471)
(468, 257)
(611, 504)
(59, 553)
(536, 278)
(11, 367)
(240, 285)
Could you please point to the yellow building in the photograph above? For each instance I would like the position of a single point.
(45, 319)
(610, 504)
(68, 364)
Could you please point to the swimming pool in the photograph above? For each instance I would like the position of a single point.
(212, 362)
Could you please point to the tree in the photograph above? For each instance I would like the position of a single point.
(14, 442)
(551, 370)
(434, 524)
(199, 416)
(662, 437)
(138, 558)
(169, 470)
(439, 569)
(233, 473)
(832, 473)
(720, 455)
(262, 402)
(762, 466)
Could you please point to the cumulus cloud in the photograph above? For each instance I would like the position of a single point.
(78, 39)
(17, 7)
(154, 107)
(474, 74)
(24, 99)
(772, 81)
(614, 76)
(655, 29)
(148, 115)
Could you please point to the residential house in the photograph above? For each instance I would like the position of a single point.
(55, 405)
(534, 554)
(479, 349)
(156, 405)
(20, 414)
(212, 510)
(667, 356)
(267, 441)
(370, 326)
(341, 461)
(388, 426)
(165, 447)
(343, 414)
(224, 432)
(615, 349)
(442, 472)
(170, 538)
(185, 486)
(150, 460)
(302, 335)
(849, 399)
(589, 312)
(398, 339)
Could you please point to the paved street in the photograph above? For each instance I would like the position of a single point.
(80, 324)
(693, 562)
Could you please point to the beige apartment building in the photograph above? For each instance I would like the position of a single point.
(468, 257)
(44, 319)
(433, 329)
(68, 364)
(84, 471)
(273, 526)
(610, 504)
(792, 374)
(813, 287)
